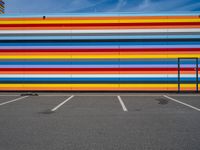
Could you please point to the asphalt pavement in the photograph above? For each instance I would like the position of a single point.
(100, 121)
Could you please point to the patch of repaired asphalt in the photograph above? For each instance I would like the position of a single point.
(47, 112)
(162, 101)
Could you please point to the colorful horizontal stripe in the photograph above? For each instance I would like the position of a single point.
(108, 52)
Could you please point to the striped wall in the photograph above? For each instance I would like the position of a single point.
(123, 52)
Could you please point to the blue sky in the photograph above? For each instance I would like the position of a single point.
(80, 6)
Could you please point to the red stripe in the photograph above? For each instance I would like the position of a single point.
(95, 69)
(101, 24)
(103, 50)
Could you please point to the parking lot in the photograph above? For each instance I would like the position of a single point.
(99, 121)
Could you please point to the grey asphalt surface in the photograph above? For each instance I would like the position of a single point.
(96, 121)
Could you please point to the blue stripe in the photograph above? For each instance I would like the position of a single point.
(98, 37)
(98, 79)
(166, 45)
(95, 66)
(98, 43)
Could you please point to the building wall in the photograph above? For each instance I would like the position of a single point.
(123, 52)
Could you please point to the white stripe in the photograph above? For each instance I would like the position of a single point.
(14, 100)
(94, 76)
(136, 30)
(195, 108)
(58, 106)
(184, 30)
(34, 76)
(96, 31)
(182, 75)
(122, 103)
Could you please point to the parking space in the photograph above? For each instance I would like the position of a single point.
(153, 104)
(7, 98)
(19, 98)
(191, 100)
(31, 105)
(100, 121)
(92, 105)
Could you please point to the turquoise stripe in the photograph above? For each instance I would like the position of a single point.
(196, 13)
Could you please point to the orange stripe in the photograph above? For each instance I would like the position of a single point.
(188, 89)
(188, 72)
(100, 28)
(144, 89)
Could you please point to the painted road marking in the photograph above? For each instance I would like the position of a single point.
(10, 95)
(103, 95)
(189, 95)
(122, 103)
(139, 95)
(195, 108)
(59, 105)
(14, 100)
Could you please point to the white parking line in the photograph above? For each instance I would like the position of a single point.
(102, 95)
(9, 95)
(139, 95)
(195, 108)
(122, 103)
(58, 106)
(184, 95)
(14, 100)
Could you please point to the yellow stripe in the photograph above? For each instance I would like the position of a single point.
(188, 85)
(95, 56)
(58, 85)
(98, 21)
(98, 85)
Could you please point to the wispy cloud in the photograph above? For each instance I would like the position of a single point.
(190, 7)
(144, 5)
(120, 5)
(77, 5)
(163, 6)
(66, 6)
